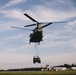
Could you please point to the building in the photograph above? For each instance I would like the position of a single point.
(73, 68)
(60, 68)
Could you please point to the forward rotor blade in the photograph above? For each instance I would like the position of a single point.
(30, 25)
(30, 18)
(46, 25)
(21, 28)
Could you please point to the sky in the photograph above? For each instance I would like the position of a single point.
(59, 41)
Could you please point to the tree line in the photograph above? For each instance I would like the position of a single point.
(27, 69)
(68, 66)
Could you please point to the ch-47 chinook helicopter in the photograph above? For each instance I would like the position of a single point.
(37, 35)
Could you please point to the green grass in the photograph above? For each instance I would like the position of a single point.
(38, 73)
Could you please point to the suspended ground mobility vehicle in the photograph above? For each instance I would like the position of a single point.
(36, 59)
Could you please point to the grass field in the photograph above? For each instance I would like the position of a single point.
(38, 73)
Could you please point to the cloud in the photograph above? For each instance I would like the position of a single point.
(71, 26)
(14, 13)
(52, 15)
(17, 60)
(6, 25)
(68, 58)
(13, 2)
(16, 37)
(72, 43)
(18, 57)
(60, 5)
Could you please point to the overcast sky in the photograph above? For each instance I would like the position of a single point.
(59, 41)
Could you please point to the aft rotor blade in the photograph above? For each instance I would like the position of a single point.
(52, 23)
(21, 28)
(30, 25)
(30, 18)
(60, 22)
(46, 25)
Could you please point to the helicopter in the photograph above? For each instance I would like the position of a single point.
(37, 35)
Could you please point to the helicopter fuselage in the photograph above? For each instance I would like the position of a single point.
(37, 35)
